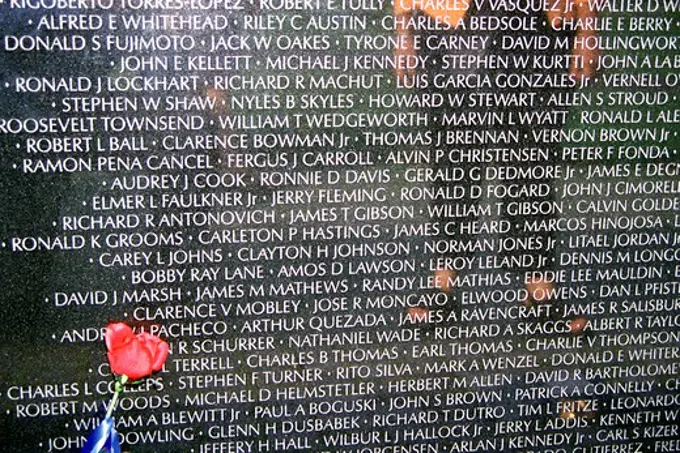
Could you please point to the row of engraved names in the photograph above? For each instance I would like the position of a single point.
(134, 20)
(82, 98)
(126, 86)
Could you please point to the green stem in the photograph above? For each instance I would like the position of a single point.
(120, 382)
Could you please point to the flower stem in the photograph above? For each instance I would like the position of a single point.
(120, 382)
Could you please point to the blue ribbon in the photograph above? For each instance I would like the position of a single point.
(103, 439)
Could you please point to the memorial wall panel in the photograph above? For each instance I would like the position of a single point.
(360, 225)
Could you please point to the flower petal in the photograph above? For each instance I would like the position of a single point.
(161, 356)
(133, 360)
(117, 335)
(158, 348)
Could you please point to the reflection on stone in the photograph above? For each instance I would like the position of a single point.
(538, 290)
(443, 278)
(577, 325)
